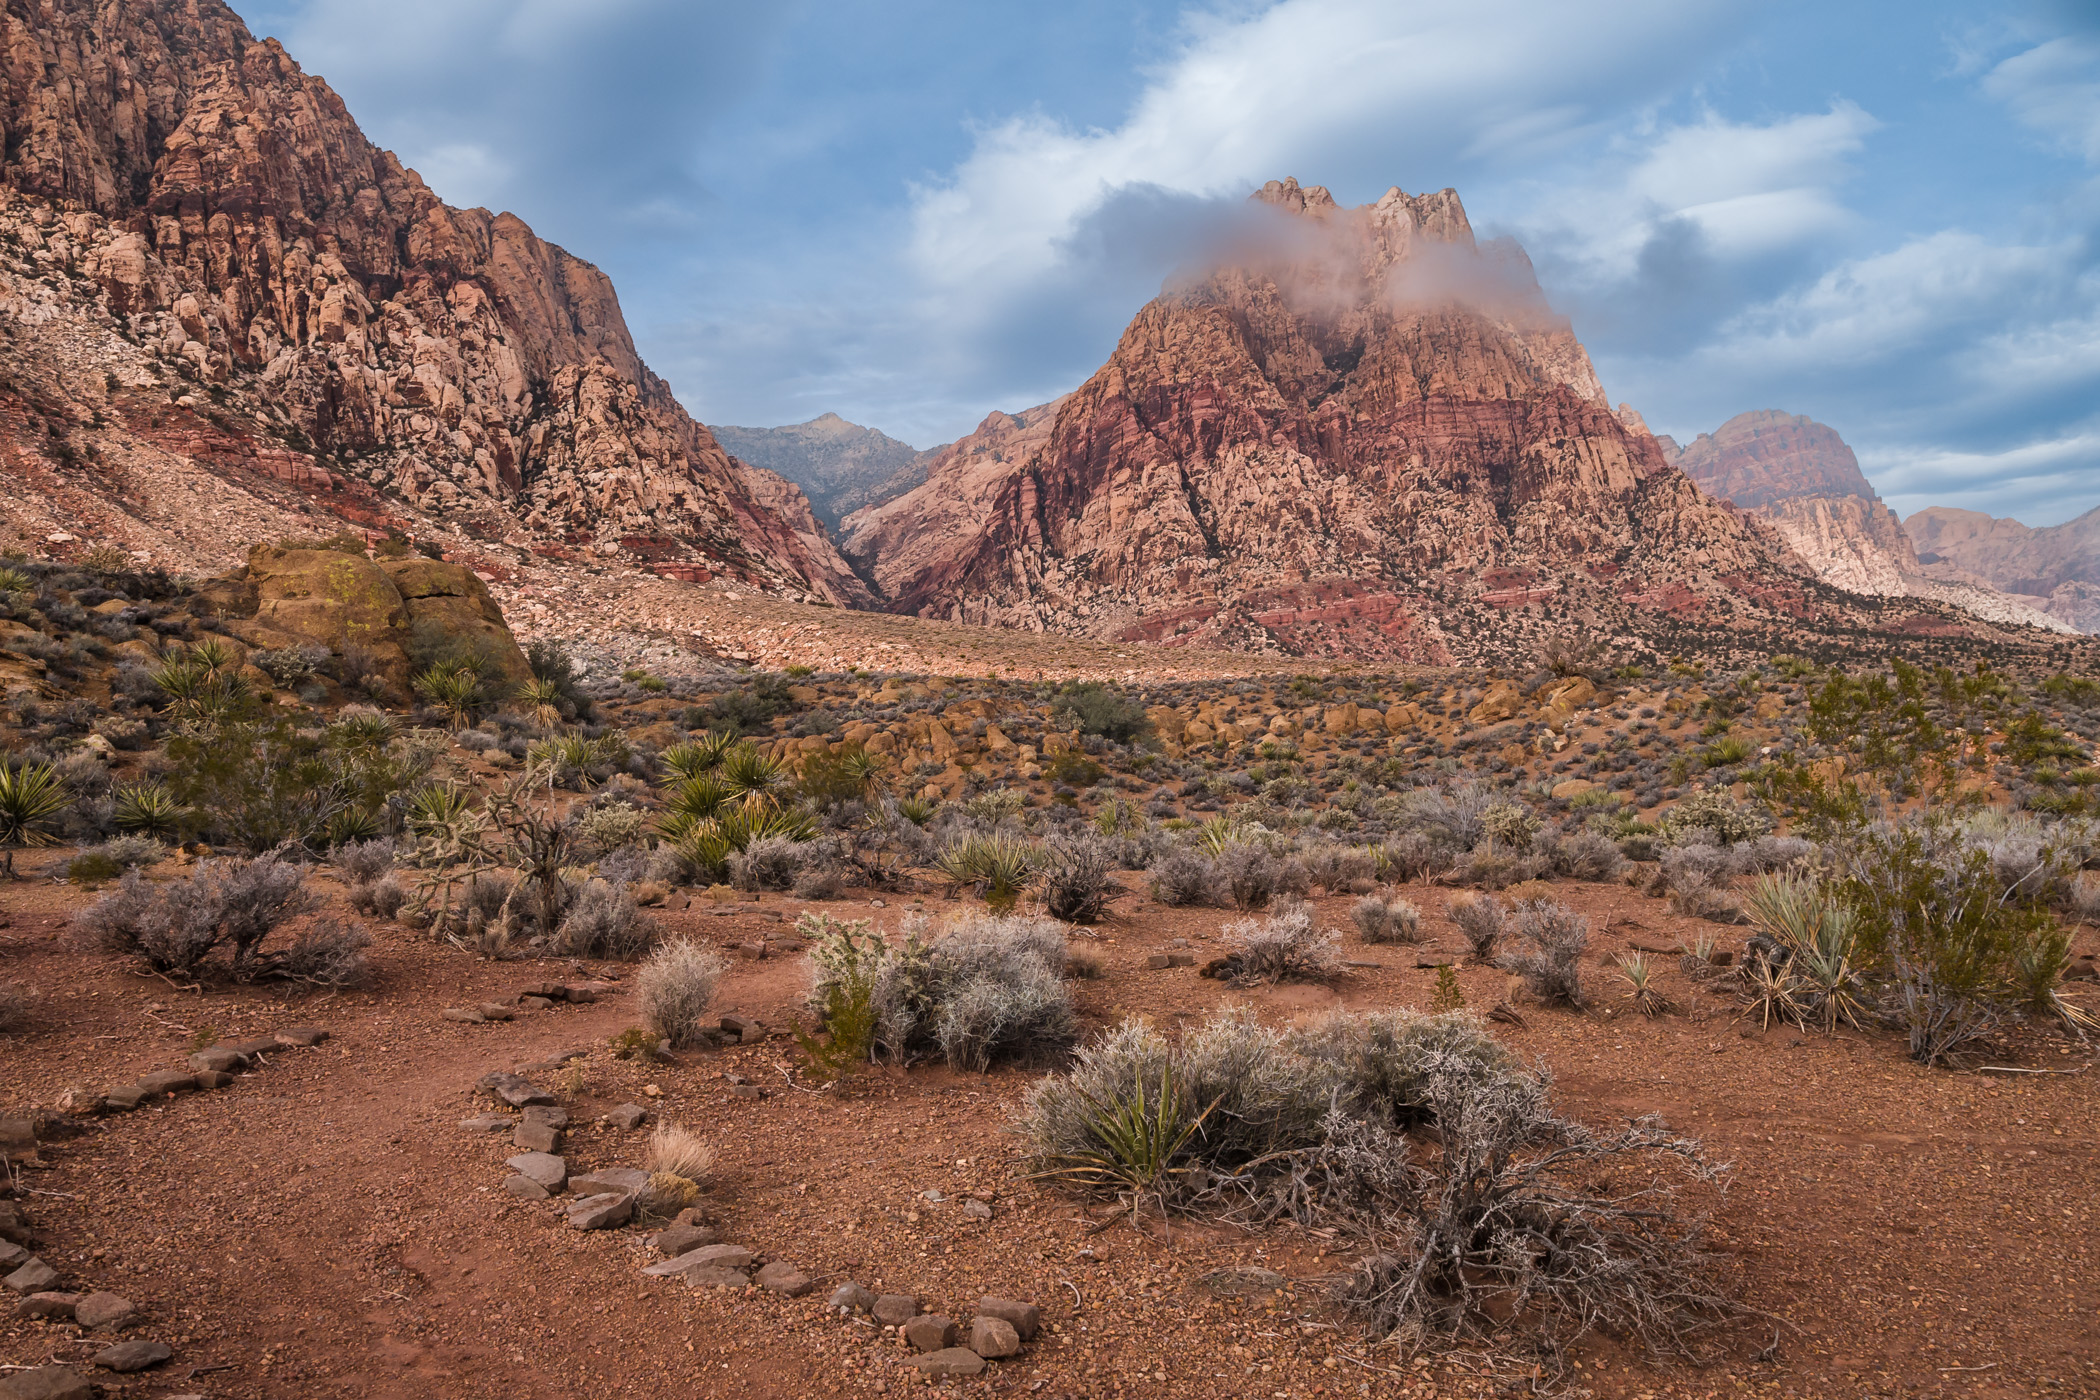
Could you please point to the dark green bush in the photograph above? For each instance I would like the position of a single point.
(1094, 708)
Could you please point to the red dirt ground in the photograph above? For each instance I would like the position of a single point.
(323, 1228)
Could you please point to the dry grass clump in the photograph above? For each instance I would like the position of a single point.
(603, 921)
(1284, 947)
(1480, 919)
(1551, 939)
(676, 1149)
(1183, 878)
(674, 986)
(1387, 920)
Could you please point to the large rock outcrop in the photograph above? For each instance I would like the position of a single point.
(2055, 567)
(217, 206)
(1369, 436)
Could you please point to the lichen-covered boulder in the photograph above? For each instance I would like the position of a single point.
(331, 598)
(451, 599)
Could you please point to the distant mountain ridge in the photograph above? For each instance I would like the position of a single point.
(840, 466)
(2057, 566)
(1802, 478)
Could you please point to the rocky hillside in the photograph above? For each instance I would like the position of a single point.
(1371, 437)
(2057, 567)
(1802, 479)
(840, 466)
(206, 266)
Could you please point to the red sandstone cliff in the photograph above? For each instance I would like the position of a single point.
(218, 209)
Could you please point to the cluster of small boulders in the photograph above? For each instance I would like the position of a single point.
(998, 1330)
(212, 1068)
(98, 1315)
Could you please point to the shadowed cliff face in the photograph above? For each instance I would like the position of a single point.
(222, 208)
(1363, 429)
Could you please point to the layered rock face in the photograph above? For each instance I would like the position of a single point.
(1800, 476)
(2057, 567)
(1802, 479)
(212, 204)
(1369, 436)
(840, 466)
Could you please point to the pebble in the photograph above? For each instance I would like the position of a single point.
(495, 1011)
(33, 1277)
(213, 1079)
(301, 1037)
(122, 1098)
(548, 1170)
(628, 1116)
(166, 1081)
(133, 1356)
(535, 1137)
(531, 1003)
(46, 1383)
(466, 1015)
(707, 1256)
(515, 1090)
(623, 1181)
(222, 1058)
(679, 1239)
(852, 1297)
(488, 1123)
(1025, 1318)
(60, 1306)
(785, 1279)
(525, 1188)
(604, 1211)
(976, 1210)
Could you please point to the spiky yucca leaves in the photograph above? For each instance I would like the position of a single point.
(1137, 1136)
(453, 689)
(149, 809)
(744, 769)
(15, 581)
(1811, 975)
(706, 843)
(363, 731)
(1218, 833)
(543, 701)
(1641, 978)
(998, 866)
(31, 797)
(199, 692)
(700, 755)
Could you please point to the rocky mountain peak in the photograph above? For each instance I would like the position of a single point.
(1768, 455)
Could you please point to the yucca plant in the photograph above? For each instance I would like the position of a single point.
(1000, 866)
(1773, 992)
(215, 657)
(916, 810)
(452, 689)
(543, 701)
(15, 581)
(1641, 978)
(744, 769)
(1220, 832)
(148, 809)
(696, 798)
(352, 824)
(1137, 1139)
(365, 732)
(438, 805)
(705, 847)
(1788, 909)
(31, 797)
(696, 756)
(2038, 964)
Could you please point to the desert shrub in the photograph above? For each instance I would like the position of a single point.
(1077, 878)
(1480, 919)
(291, 665)
(768, 863)
(1509, 823)
(230, 904)
(1494, 865)
(362, 862)
(1693, 876)
(1452, 821)
(1413, 855)
(603, 922)
(1586, 855)
(1387, 1059)
(1284, 947)
(1334, 867)
(1550, 940)
(1383, 920)
(149, 809)
(673, 987)
(998, 866)
(1711, 810)
(990, 990)
(327, 953)
(1767, 853)
(604, 829)
(1094, 708)
(560, 690)
(1249, 874)
(1183, 878)
(381, 898)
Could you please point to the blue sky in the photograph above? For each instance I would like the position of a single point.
(1886, 216)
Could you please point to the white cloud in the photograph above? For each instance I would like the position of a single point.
(2054, 87)
(2043, 483)
(1329, 90)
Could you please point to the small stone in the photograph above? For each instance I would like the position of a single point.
(534, 1003)
(222, 1058)
(515, 1090)
(536, 1137)
(930, 1332)
(12, 1256)
(98, 1311)
(851, 1297)
(1181, 960)
(714, 1277)
(950, 1363)
(1158, 962)
(14, 1225)
(785, 1279)
(1026, 1318)
(301, 1037)
(579, 996)
(545, 1168)
(605, 1211)
(465, 1015)
(488, 1123)
(167, 1081)
(747, 1091)
(495, 1011)
(544, 1113)
(46, 1383)
(122, 1098)
(993, 1337)
(621, 1181)
(525, 1188)
(213, 1079)
(33, 1277)
(711, 1256)
(652, 1091)
(133, 1356)
(628, 1116)
(60, 1306)
(253, 1049)
(679, 1239)
(895, 1309)
(976, 1210)
(932, 1193)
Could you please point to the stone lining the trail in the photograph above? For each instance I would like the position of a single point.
(211, 1068)
(692, 1251)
